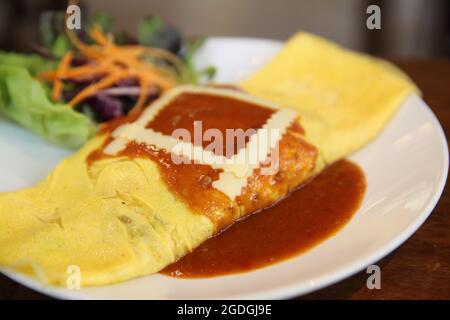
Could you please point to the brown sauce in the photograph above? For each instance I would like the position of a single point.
(300, 221)
(192, 182)
(214, 112)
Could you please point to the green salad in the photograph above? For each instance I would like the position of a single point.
(76, 81)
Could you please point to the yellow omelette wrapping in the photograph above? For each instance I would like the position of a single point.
(115, 221)
(118, 220)
(344, 98)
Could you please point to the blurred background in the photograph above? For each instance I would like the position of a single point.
(413, 28)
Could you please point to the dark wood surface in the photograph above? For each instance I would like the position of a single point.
(420, 268)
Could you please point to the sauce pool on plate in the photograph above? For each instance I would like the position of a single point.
(300, 221)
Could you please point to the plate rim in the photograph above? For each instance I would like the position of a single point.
(394, 243)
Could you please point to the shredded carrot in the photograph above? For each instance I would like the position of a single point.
(112, 63)
(97, 35)
(92, 89)
(86, 50)
(145, 87)
(58, 85)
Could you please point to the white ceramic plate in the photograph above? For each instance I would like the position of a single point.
(406, 168)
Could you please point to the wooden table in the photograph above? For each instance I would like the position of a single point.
(420, 268)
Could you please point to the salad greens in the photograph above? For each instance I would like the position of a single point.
(192, 75)
(28, 101)
(52, 35)
(33, 63)
(25, 101)
(153, 32)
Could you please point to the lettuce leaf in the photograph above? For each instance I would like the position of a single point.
(32, 62)
(24, 100)
(191, 74)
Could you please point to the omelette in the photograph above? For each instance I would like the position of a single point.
(137, 197)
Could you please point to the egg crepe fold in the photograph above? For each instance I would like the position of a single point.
(344, 98)
(118, 218)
